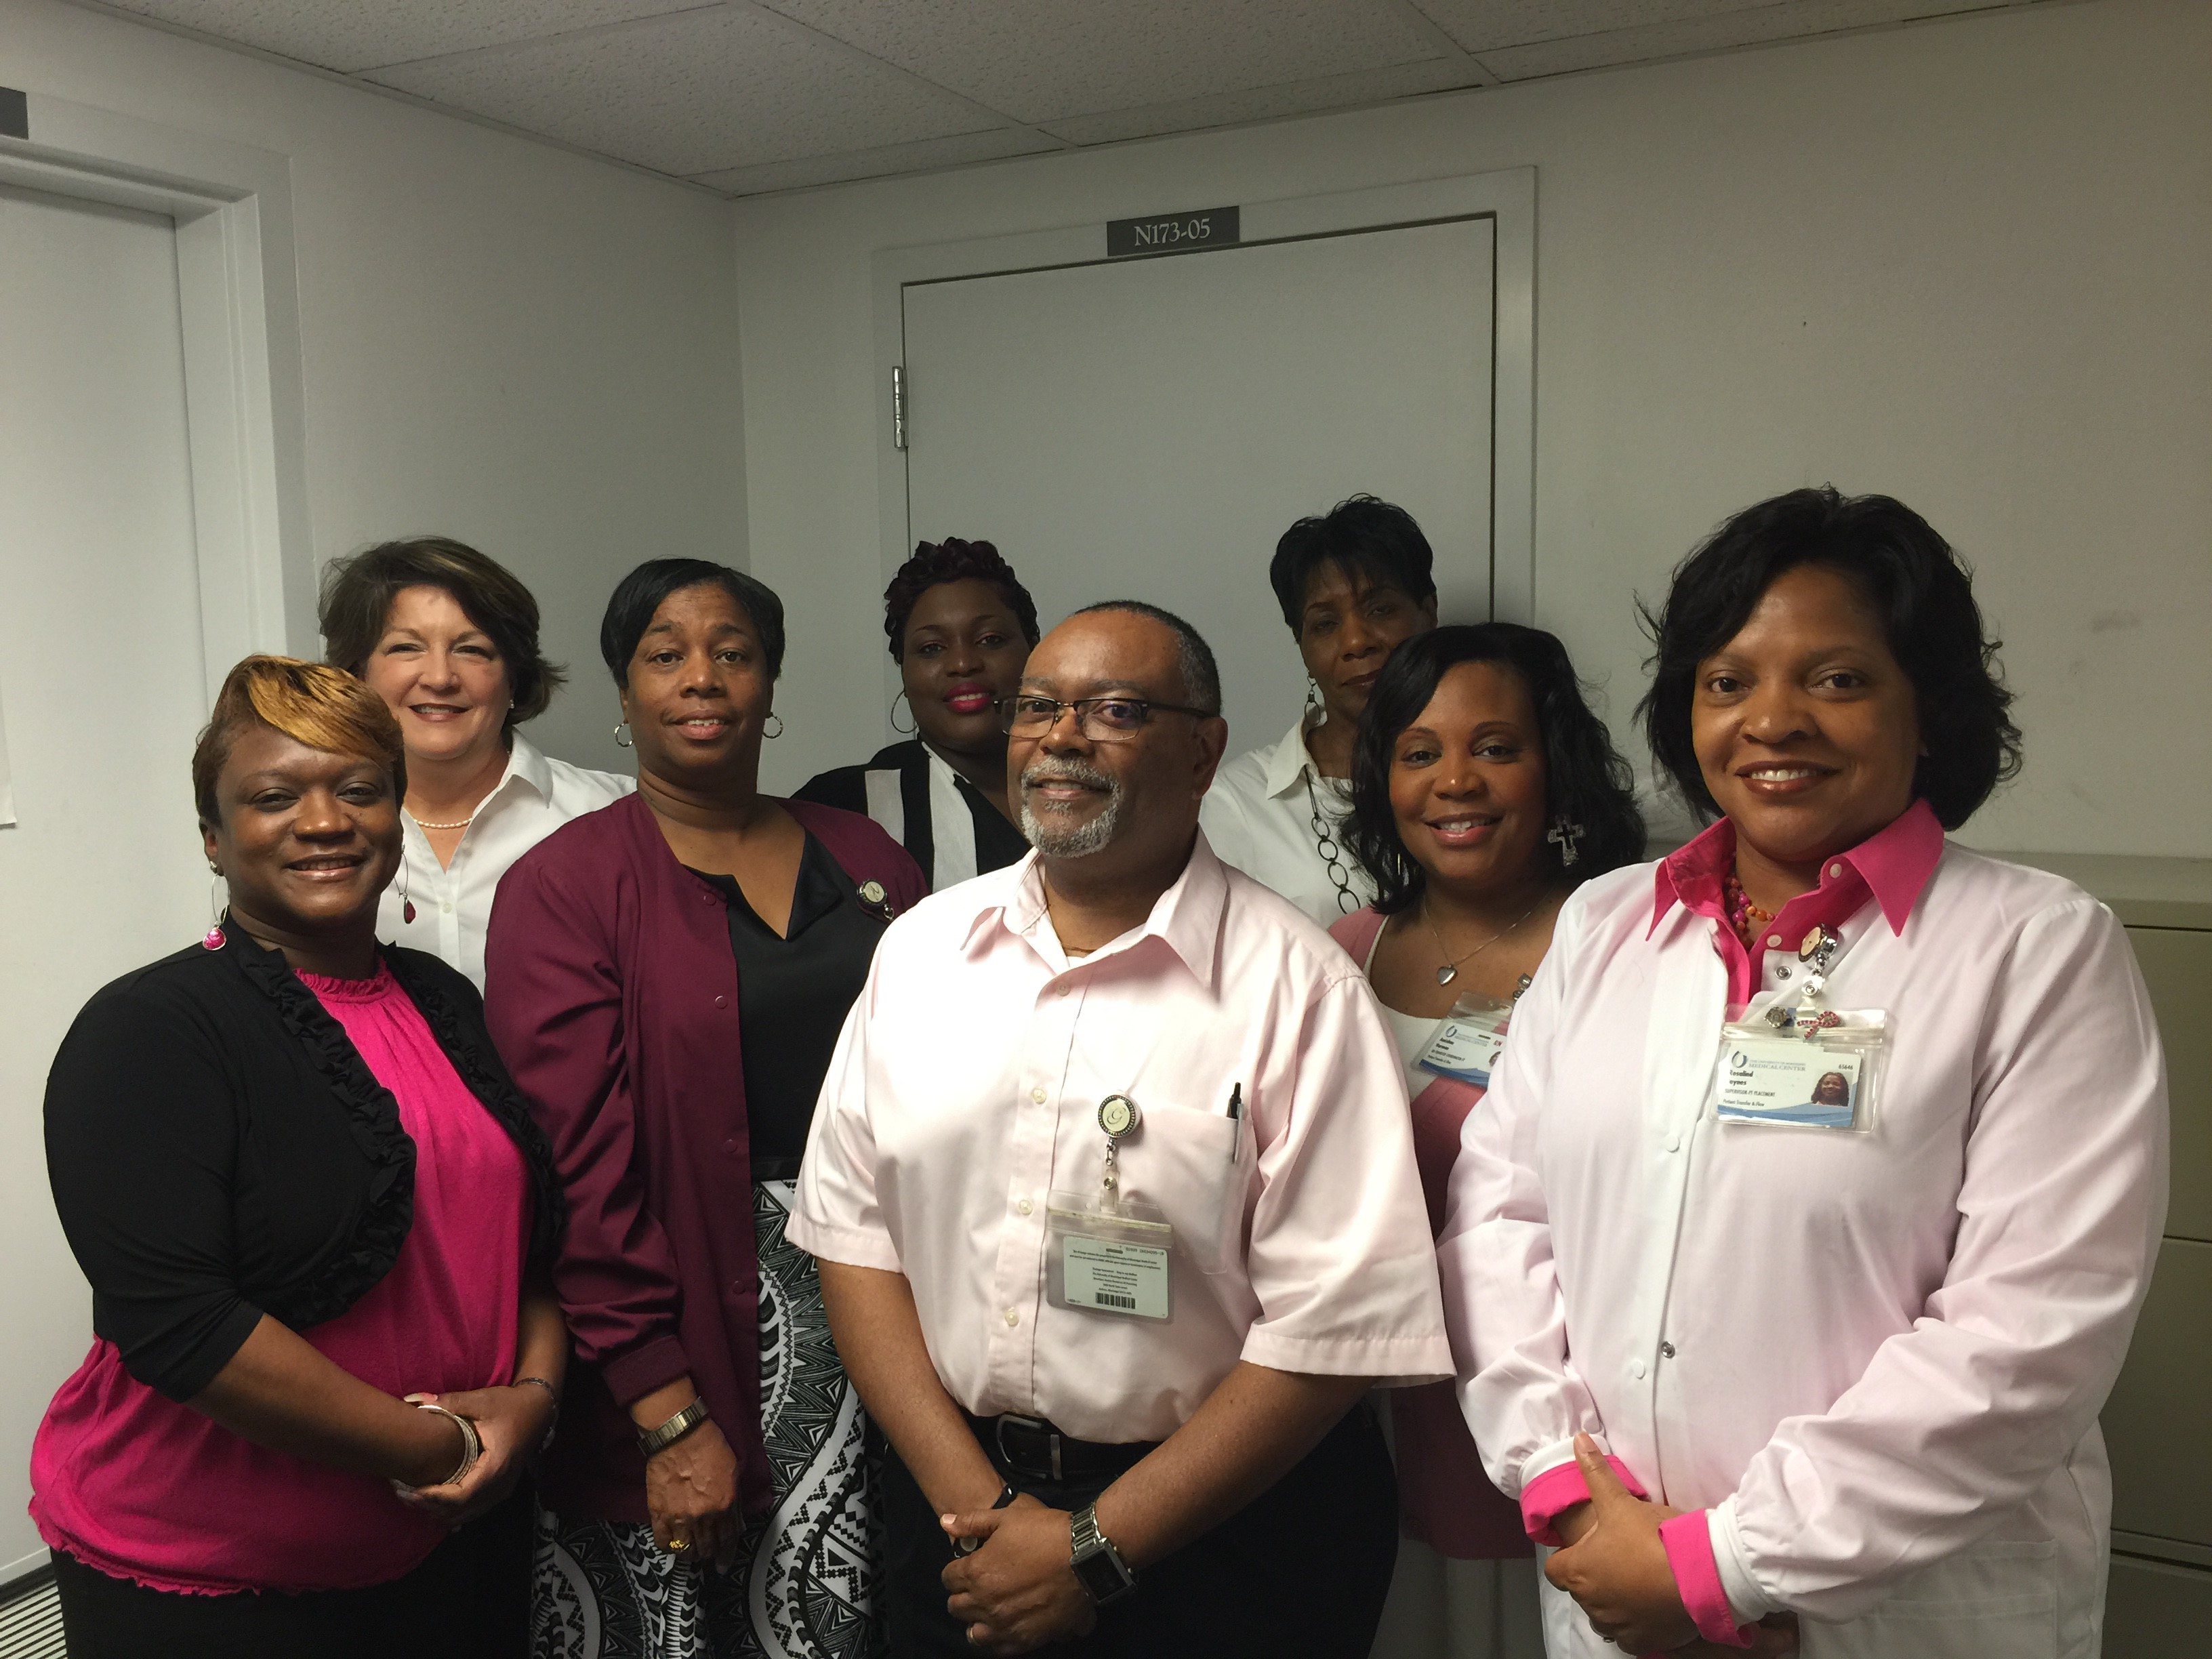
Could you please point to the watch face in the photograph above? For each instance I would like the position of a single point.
(1100, 1577)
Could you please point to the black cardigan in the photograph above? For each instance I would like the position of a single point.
(219, 1149)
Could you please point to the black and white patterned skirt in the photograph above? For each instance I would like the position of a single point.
(804, 1583)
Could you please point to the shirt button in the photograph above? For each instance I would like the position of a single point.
(1675, 1143)
(721, 1002)
(1013, 1316)
(1835, 869)
(1666, 1351)
(1772, 940)
(446, 906)
(1037, 1094)
(730, 1145)
(1023, 1206)
(1636, 1368)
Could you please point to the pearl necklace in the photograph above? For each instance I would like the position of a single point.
(457, 823)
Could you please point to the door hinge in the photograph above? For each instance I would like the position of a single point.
(899, 406)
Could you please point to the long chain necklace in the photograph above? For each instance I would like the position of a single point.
(1331, 855)
(1450, 971)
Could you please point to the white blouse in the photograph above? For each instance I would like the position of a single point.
(1875, 1360)
(1259, 817)
(535, 796)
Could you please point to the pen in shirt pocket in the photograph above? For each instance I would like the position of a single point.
(1235, 1119)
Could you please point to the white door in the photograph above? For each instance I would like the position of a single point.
(101, 693)
(1147, 429)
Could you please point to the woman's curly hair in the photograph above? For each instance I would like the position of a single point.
(953, 561)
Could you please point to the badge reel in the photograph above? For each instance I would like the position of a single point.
(1466, 1045)
(1109, 1254)
(1806, 1066)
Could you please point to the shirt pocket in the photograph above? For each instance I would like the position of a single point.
(1994, 1601)
(1197, 1168)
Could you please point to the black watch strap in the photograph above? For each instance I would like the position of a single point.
(969, 1546)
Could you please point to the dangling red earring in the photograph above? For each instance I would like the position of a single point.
(406, 904)
(213, 939)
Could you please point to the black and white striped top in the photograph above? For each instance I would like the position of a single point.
(943, 822)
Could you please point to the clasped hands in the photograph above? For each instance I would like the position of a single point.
(1017, 1591)
(511, 1422)
(1615, 1566)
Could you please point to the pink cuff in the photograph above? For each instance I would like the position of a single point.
(1558, 1490)
(1689, 1544)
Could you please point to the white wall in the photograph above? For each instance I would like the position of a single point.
(526, 349)
(1967, 262)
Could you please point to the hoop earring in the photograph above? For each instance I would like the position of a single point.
(406, 904)
(213, 939)
(903, 731)
(778, 719)
(622, 742)
(1313, 692)
(1564, 833)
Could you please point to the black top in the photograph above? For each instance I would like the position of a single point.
(793, 992)
(219, 1149)
(998, 843)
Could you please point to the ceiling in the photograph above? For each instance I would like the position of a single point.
(746, 96)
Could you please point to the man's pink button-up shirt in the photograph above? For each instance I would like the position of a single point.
(965, 1091)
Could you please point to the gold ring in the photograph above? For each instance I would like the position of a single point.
(679, 1545)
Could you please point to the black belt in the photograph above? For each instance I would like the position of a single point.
(1035, 1450)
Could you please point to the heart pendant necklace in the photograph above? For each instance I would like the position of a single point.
(1450, 971)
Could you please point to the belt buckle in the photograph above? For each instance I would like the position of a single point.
(1036, 1425)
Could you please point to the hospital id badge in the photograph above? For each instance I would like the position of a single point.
(1806, 1068)
(1467, 1044)
(1107, 1261)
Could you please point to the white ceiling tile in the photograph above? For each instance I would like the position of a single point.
(877, 163)
(1487, 24)
(351, 34)
(1042, 60)
(1789, 19)
(1335, 92)
(700, 92)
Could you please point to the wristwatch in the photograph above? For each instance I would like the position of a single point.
(1105, 1577)
(660, 1439)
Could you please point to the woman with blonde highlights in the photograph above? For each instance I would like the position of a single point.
(313, 1209)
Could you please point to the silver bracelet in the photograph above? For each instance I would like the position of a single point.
(660, 1439)
(471, 1443)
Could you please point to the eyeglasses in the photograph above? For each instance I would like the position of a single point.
(1101, 719)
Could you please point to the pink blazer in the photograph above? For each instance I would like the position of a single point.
(1444, 1498)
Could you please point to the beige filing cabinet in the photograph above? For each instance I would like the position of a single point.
(2158, 1424)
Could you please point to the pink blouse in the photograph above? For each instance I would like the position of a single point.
(140, 1488)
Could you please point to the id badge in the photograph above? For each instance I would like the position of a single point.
(1810, 1068)
(1104, 1261)
(1467, 1044)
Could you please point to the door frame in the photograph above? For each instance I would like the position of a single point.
(237, 300)
(1506, 197)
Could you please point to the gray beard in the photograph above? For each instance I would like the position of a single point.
(1075, 840)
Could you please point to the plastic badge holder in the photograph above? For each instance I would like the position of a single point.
(1818, 1068)
(1104, 1261)
(1466, 1045)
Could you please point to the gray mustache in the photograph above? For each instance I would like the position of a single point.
(1065, 772)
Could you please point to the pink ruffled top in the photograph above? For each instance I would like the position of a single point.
(141, 1487)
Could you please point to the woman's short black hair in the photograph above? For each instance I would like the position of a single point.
(953, 561)
(638, 595)
(1586, 781)
(1922, 590)
(356, 607)
(1362, 537)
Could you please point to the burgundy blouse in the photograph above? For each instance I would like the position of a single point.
(611, 992)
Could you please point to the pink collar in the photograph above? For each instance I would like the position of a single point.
(1895, 863)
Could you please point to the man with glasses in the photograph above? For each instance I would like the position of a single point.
(1116, 1207)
